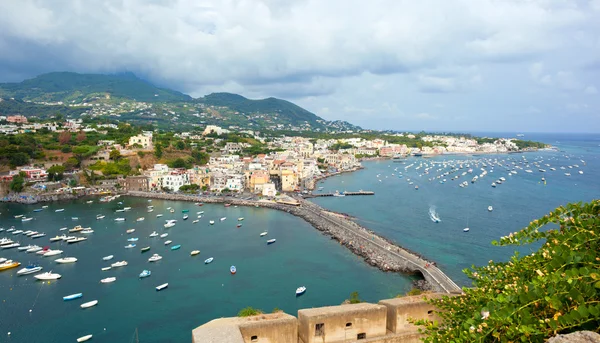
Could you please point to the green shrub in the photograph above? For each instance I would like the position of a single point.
(249, 311)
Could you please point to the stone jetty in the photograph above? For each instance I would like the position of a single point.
(376, 250)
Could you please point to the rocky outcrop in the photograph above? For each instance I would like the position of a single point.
(576, 337)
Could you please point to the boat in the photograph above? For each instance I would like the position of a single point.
(47, 276)
(140, 219)
(109, 279)
(17, 232)
(164, 235)
(212, 222)
(66, 260)
(77, 240)
(132, 239)
(185, 211)
(208, 260)
(126, 208)
(12, 245)
(89, 304)
(172, 211)
(240, 219)
(169, 224)
(263, 233)
(154, 258)
(200, 212)
(76, 229)
(161, 287)
(271, 241)
(300, 290)
(86, 231)
(185, 217)
(195, 252)
(9, 264)
(63, 229)
(168, 242)
(159, 215)
(108, 258)
(73, 296)
(119, 210)
(195, 221)
(119, 219)
(106, 268)
(490, 208)
(27, 247)
(74, 218)
(145, 273)
(38, 210)
(130, 245)
(89, 202)
(154, 234)
(38, 235)
(60, 210)
(34, 248)
(30, 269)
(18, 216)
(52, 253)
(227, 205)
(42, 251)
(144, 249)
(493, 184)
(150, 210)
(466, 229)
(58, 238)
(130, 231)
(119, 264)
(84, 338)
(232, 270)
(176, 247)
(26, 219)
(3, 259)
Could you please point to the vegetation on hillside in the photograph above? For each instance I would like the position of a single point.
(249, 311)
(528, 144)
(532, 297)
(10, 107)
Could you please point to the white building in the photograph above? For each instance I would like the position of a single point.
(234, 183)
(145, 140)
(175, 179)
(268, 190)
(214, 128)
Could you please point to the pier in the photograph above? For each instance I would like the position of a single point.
(376, 250)
(314, 195)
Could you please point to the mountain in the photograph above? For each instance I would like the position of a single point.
(69, 87)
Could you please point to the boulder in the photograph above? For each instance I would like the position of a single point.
(576, 337)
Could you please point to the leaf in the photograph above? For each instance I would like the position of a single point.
(597, 284)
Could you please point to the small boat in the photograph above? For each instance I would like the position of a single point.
(159, 215)
(150, 210)
(109, 280)
(126, 208)
(493, 184)
(73, 296)
(176, 247)
(172, 211)
(26, 219)
(9, 246)
(52, 253)
(119, 264)
(47, 276)
(154, 258)
(185, 211)
(2, 259)
(164, 235)
(490, 208)
(63, 229)
(76, 229)
(227, 205)
(34, 248)
(30, 269)
(58, 238)
(74, 218)
(84, 338)
(300, 290)
(108, 258)
(145, 273)
(144, 249)
(120, 210)
(222, 219)
(154, 234)
(89, 202)
(38, 210)
(169, 224)
(66, 260)
(119, 219)
(161, 287)
(195, 221)
(168, 242)
(140, 219)
(238, 225)
(89, 304)
(240, 219)
(271, 241)
(27, 247)
(9, 264)
(195, 252)
(17, 232)
(132, 239)
(106, 268)
(232, 270)
(18, 216)
(100, 216)
(466, 229)
(130, 245)
(60, 210)
(185, 217)
(86, 231)
(130, 231)
(43, 251)
(212, 222)
(200, 212)
(76, 240)
(208, 260)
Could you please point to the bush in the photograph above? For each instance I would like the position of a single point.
(249, 311)
(354, 299)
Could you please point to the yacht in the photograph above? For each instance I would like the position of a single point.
(300, 290)
(154, 258)
(66, 260)
(119, 264)
(208, 260)
(154, 234)
(145, 273)
(161, 287)
(30, 269)
(9, 264)
(109, 279)
(89, 304)
(108, 258)
(47, 276)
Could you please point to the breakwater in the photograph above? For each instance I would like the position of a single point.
(376, 250)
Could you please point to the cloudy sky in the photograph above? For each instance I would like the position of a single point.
(462, 65)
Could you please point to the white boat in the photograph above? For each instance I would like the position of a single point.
(161, 287)
(12, 245)
(129, 246)
(208, 260)
(212, 222)
(29, 270)
(18, 216)
(172, 210)
(133, 239)
(59, 210)
(109, 279)
(271, 241)
(168, 242)
(263, 233)
(581, 172)
(130, 231)
(58, 238)
(47, 276)
(38, 235)
(100, 216)
(34, 248)
(164, 235)
(195, 221)
(140, 219)
(77, 240)
(89, 304)
(119, 219)
(300, 290)
(16, 232)
(169, 224)
(74, 218)
(63, 229)
(27, 247)
(490, 208)
(154, 234)
(108, 258)
(26, 219)
(87, 231)
(466, 229)
(2, 259)
(195, 252)
(52, 253)
(127, 208)
(159, 215)
(222, 219)
(119, 264)
(240, 219)
(66, 260)
(89, 202)
(154, 258)
(106, 268)
(84, 338)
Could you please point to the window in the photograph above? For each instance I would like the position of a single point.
(320, 329)
(348, 325)
(254, 339)
(361, 335)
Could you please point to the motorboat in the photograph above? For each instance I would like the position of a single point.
(30, 269)
(195, 221)
(87, 231)
(106, 268)
(8, 264)
(130, 245)
(17, 232)
(232, 270)
(176, 247)
(58, 238)
(10, 246)
(145, 273)
(150, 210)
(108, 258)
(18, 216)
(38, 235)
(100, 216)
(208, 260)
(154, 234)
(239, 225)
(185, 217)
(89, 304)
(222, 219)
(466, 229)
(195, 252)
(300, 290)
(119, 264)
(212, 222)
(47, 276)
(169, 224)
(490, 208)
(27, 247)
(76, 229)
(109, 279)
(34, 248)
(3, 259)
(159, 215)
(26, 219)
(493, 184)
(140, 219)
(130, 231)
(119, 219)
(240, 219)
(164, 235)
(43, 251)
(168, 242)
(73, 296)
(154, 258)
(144, 249)
(50, 253)
(161, 287)
(66, 260)
(77, 240)
(63, 229)
(74, 218)
(60, 210)
(5, 241)
(271, 241)
(84, 338)
(132, 239)
(127, 208)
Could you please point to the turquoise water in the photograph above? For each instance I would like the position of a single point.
(267, 276)
(401, 213)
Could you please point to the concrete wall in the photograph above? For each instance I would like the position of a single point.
(342, 323)
(400, 310)
(264, 328)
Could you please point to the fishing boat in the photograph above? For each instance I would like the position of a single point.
(119, 219)
(145, 273)
(47, 276)
(271, 241)
(195, 252)
(185, 217)
(300, 290)
(154, 234)
(30, 269)
(108, 258)
(176, 247)
(168, 242)
(232, 270)
(50, 253)
(73, 296)
(490, 208)
(60, 210)
(154, 258)
(109, 279)
(144, 249)
(212, 222)
(130, 245)
(130, 231)
(161, 287)
(119, 264)
(263, 233)
(9, 264)
(43, 251)
(89, 304)
(208, 260)
(164, 235)
(140, 219)
(84, 338)
(66, 260)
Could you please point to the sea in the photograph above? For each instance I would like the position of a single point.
(268, 275)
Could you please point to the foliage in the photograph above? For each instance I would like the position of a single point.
(528, 144)
(340, 145)
(158, 152)
(192, 188)
(413, 291)
(114, 155)
(141, 154)
(82, 152)
(200, 157)
(64, 137)
(180, 163)
(55, 173)
(354, 299)
(80, 137)
(533, 297)
(249, 311)
(29, 109)
(16, 185)
(71, 163)
(18, 159)
(179, 145)
(482, 140)
(120, 167)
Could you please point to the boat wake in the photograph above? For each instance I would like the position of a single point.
(433, 215)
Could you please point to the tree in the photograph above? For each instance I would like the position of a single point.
(18, 159)
(71, 163)
(72, 183)
(64, 137)
(532, 297)
(180, 145)
(114, 155)
(80, 136)
(16, 185)
(141, 154)
(200, 157)
(354, 299)
(179, 163)
(55, 173)
(158, 151)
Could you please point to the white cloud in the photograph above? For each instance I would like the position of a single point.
(590, 90)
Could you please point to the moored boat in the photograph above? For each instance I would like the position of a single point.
(164, 235)
(72, 296)
(240, 219)
(130, 245)
(208, 260)
(161, 287)
(271, 241)
(130, 231)
(145, 273)
(154, 234)
(144, 249)
(212, 222)
(232, 269)
(300, 290)
(30, 269)
(154, 258)
(47, 276)
(107, 258)
(490, 208)
(167, 242)
(50, 253)
(195, 252)
(66, 260)
(176, 247)
(263, 234)
(89, 304)
(84, 338)
(109, 279)
(119, 264)
(9, 264)
(76, 240)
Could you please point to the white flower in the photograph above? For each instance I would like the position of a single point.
(485, 314)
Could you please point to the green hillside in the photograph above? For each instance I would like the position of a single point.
(30, 109)
(68, 87)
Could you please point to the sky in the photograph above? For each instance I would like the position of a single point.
(435, 65)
